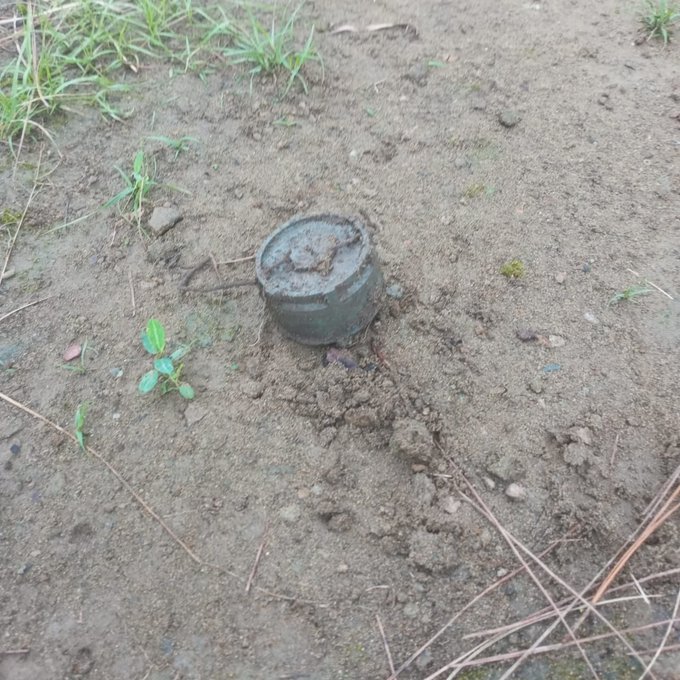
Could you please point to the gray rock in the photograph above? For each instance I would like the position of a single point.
(424, 489)
(591, 318)
(509, 118)
(164, 218)
(252, 389)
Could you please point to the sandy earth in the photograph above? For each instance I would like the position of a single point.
(485, 132)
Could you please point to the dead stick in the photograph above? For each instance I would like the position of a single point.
(263, 542)
(28, 304)
(385, 645)
(144, 505)
(647, 281)
(8, 652)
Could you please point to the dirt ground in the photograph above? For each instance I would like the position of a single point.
(483, 132)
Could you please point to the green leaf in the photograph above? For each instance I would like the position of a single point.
(81, 439)
(148, 381)
(138, 163)
(164, 366)
(187, 391)
(179, 353)
(156, 334)
(147, 344)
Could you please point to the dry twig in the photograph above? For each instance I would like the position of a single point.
(28, 304)
(390, 662)
(263, 542)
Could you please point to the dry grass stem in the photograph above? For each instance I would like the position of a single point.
(28, 304)
(132, 292)
(20, 223)
(649, 283)
(143, 504)
(664, 639)
(390, 662)
(258, 555)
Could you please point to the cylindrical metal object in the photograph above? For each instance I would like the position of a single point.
(320, 278)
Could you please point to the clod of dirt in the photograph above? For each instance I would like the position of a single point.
(83, 663)
(252, 389)
(336, 517)
(412, 441)
(576, 454)
(164, 218)
(509, 118)
(424, 489)
(424, 660)
(418, 74)
(434, 553)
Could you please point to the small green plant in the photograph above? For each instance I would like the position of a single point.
(271, 50)
(137, 185)
(79, 424)
(658, 17)
(629, 294)
(166, 372)
(177, 145)
(514, 269)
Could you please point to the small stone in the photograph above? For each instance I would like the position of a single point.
(342, 568)
(516, 492)
(424, 489)
(194, 413)
(450, 505)
(257, 136)
(395, 291)
(354, 154)
(561, 277)
(509, 118)
(116, 372)
(556, 341)
(536, 386)
(15, 449)
(424, 660)
(502, 572)
(238, 193)
(164, 218)
(586, 268)
(461, 162)
(418, 467)
(489, 483)
(591, 318)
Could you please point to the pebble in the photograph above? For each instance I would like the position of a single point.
(450, 505)
(418, 74)
(489, 483)
(116, 372)
(561, 277)
(509, 118)
(164, 218)
(516, 492)
(411, 610)
(591, 318)
(412, 441)
(15, 449)
(536, 386)
(342, 568)
(556, 341)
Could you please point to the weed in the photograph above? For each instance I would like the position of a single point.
(477, 190)
(658, 16)
(79, 424)
(514, 269)
(177, 145)
(166, 372)
(137, 185)
(271, 50)
(629, 294)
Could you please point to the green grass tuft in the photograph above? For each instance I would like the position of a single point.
(659, 16)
